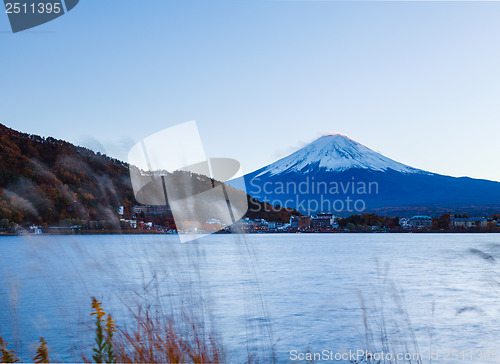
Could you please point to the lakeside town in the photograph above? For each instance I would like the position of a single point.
(327, 222)
(157, 219)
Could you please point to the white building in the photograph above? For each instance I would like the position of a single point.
(35, 229)
(468, 222)
(420, 221)
(131, 223)
(404, 223)
(322, 221)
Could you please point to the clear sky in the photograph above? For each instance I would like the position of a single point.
(416, 81)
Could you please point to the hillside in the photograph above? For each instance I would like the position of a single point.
(45, 180)
(48, 180)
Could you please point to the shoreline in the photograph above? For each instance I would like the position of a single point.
(147, 232)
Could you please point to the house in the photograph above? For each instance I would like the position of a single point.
(323, 221)
(154, 210)
(304, 222)
(404, 223)
(468, 222)
(212, 225)
(34, 229)
(131, 223)
(260, 223)
(246, 223)
(420, 221)
(139, 209)
(300, 222)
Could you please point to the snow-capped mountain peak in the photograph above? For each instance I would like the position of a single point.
(335, 152)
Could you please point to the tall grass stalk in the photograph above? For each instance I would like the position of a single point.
(42, 353)
(387, 324)
(7, 356)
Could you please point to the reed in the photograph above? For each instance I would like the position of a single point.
(161, 339)
(387, 324)
(42, 353)
(155, 338)
(8, 356)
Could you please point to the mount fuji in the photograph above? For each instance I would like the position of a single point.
(334, 153)
(337, 174)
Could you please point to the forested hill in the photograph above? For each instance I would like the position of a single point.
(45, 180)
(48, 180)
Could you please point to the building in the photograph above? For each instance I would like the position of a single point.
(304, 222)
(212, 225)
(276, 225)
(260, 223)
(468, 222)
(300, 222)
(131, 223)
(34, 229)
(213, 221)
(155, 210)
(323, 221)
(420, 221)
(139, 209)
(404, 223)
(246, 223)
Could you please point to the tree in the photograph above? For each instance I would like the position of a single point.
(442, 223)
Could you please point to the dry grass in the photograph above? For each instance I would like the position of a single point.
(154, 338)
(159, 339)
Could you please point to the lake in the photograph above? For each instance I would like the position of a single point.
(431, 293)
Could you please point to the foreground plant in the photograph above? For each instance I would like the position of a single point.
(103, 352)
(160, 338)
(42, 353)
(7, 356)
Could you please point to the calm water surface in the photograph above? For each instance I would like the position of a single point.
(309, 287)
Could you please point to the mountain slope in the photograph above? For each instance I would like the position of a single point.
(334, 172)
(48, 180)
(45, 180)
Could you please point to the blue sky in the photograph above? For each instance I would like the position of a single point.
(417, 81)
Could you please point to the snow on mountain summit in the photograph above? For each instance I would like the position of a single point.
(335, 152)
